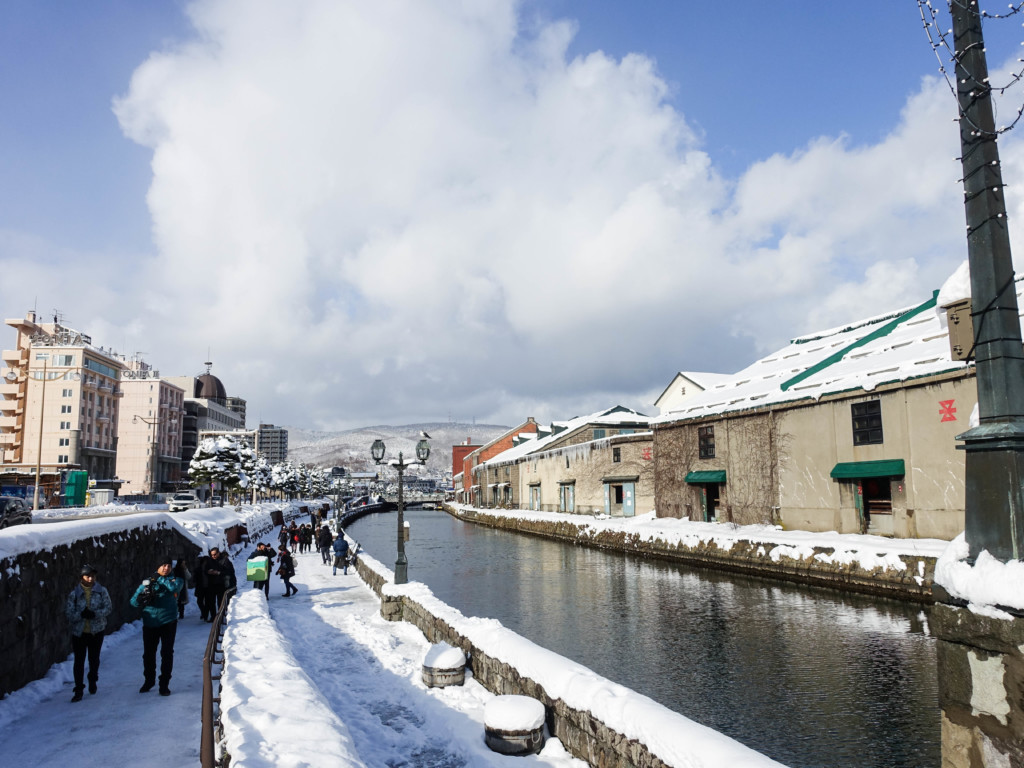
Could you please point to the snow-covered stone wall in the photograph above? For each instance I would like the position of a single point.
(851, 563)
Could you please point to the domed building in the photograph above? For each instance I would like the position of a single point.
(209, 387)
(209, 409)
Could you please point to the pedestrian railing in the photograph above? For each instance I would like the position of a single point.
(214, 656)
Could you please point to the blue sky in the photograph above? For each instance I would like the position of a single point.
(769, 78)
(422, 218)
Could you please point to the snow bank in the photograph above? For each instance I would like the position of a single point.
(273, 715)
(867, 550)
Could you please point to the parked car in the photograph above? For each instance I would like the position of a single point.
(215, 501)
(183, 500)
(14, 511)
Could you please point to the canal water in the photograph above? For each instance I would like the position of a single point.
(809, 677)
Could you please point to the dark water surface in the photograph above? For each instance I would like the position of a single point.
(809, 677)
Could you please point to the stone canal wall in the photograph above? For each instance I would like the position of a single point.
(583, 734)
(818, 566)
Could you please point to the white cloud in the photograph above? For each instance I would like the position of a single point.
(393, 210)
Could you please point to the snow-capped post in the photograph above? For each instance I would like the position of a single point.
(994, 475)
(377, 450)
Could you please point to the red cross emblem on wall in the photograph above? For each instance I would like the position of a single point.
(647, 453)
(946, 410)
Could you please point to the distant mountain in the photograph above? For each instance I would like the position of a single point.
(351, 448)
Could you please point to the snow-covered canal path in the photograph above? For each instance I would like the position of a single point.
(367, 669)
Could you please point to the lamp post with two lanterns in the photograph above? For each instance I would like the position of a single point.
(377, 450)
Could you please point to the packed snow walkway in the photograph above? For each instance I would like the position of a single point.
(366, 669)
(40, 727)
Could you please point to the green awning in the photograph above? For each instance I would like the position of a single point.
(706, 476)
(847, 470)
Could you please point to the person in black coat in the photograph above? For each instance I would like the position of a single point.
(286, 569)
(324, 540)
(213, 574)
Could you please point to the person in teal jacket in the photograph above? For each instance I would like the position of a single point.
(157, 596)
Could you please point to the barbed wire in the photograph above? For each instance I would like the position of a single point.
(939, 40)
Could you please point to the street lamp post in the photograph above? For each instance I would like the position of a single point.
(377, 450)
(42, 379)
(154, 422)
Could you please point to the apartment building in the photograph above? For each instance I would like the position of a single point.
(272, 443)
(59, 406)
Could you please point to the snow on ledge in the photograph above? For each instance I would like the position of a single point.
(19, 539)
(986, 584)
(868, 551)
(261, 728)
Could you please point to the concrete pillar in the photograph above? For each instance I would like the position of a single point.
(981, 688)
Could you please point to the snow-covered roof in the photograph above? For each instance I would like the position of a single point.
(701, 379)
(892, 347)
(614, 416)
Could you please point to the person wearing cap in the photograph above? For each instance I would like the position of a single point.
(157, 596)
(87, 608)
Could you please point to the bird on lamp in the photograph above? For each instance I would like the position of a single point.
(424, 435)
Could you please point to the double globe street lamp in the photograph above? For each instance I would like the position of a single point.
(377, 450)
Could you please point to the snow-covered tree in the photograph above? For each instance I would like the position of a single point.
(262, 475)
(222, 459)
(319, 482)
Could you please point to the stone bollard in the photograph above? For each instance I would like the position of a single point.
(514, 725)
(444, 665)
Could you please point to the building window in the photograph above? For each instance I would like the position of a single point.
(867, 422)
(706, 442)
(599, 433)
(65, 409)
(65, 359)
(66, 392)
(616, 455)
(65, 425)
(62, 458)
(64, 441)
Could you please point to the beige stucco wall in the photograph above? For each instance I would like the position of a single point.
(800, 444)
(927, 502)
(587, 464)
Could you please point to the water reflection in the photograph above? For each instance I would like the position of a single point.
(807, 676)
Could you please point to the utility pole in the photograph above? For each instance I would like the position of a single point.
(994, 460)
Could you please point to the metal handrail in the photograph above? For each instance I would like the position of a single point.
(207, 750)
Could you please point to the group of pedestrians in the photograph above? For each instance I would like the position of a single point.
(298, 538)
(161, 599)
